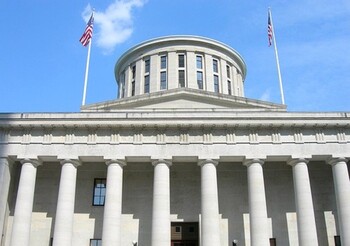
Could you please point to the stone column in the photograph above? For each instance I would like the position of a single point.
(24, 203)
(4, 191)
(307, 232)
(257, 203)
(65, 204)
(342, 195)
(113, 204)
(161, 204)
(210, 221)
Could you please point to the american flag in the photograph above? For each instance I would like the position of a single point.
(269, 29)
(87, 35)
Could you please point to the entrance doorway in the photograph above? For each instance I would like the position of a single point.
(184, 234)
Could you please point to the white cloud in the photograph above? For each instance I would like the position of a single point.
(115, 24)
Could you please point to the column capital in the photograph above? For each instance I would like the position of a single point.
(115, 161)
(249, 162)
(34, 162)
(162, 161)
(75, 163)
(334, 160)
(207, 161)
(293, 161)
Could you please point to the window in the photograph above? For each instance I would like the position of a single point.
(163, 62)
(273, 242)
(133, 73)
(147, 84)
(147, 65)
(215, 66)
(199, 65)
(337, 241)
(133, 69)
(95, 242)
(229, 87)
(163, 82)
(163, 73)
(177, 228)
(181, 60)
(122, 84)
(228, 71)
(229, 83)
(99, 192)
(133, 88)
(199, 62)
(216, 83)
(181, 78)
(200, 80)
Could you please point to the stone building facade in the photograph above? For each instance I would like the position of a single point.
(181, 158)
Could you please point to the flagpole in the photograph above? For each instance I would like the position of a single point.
(86, 72)
(277, 59)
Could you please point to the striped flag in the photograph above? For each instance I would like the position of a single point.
(269, 29)
(87, 35)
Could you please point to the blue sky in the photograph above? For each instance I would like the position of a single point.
(42, 63)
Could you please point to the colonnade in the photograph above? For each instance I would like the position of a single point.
(210, 223)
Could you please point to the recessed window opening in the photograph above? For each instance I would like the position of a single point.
(146, 84)
(163, 73)
(147, 65)
(163, 80)
(99, 192)
(95, 242)
(216, 83)
(200, 79)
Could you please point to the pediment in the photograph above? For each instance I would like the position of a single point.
(183, 99)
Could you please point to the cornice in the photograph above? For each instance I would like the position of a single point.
(176, 39)
(161, 119)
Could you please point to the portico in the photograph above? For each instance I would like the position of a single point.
(185, 161)
(211, 210)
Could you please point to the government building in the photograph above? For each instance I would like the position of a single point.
(180, 158)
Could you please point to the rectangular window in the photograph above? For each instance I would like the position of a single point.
(177, 228)
(147, 84)
(228, 71)
(229, 87)
(133, 69)
(337, 241)
(163, 62)
(133, 88)
(122, 84)
(163, 82)
(216, 83)
(200, 80)
(199, 62)
(99, 192)
(181, 78)
(95, 242)
(181, 60)
(215, 66)
(273, 242)
(147, 65)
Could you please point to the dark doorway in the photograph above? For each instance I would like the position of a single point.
(184, 234)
